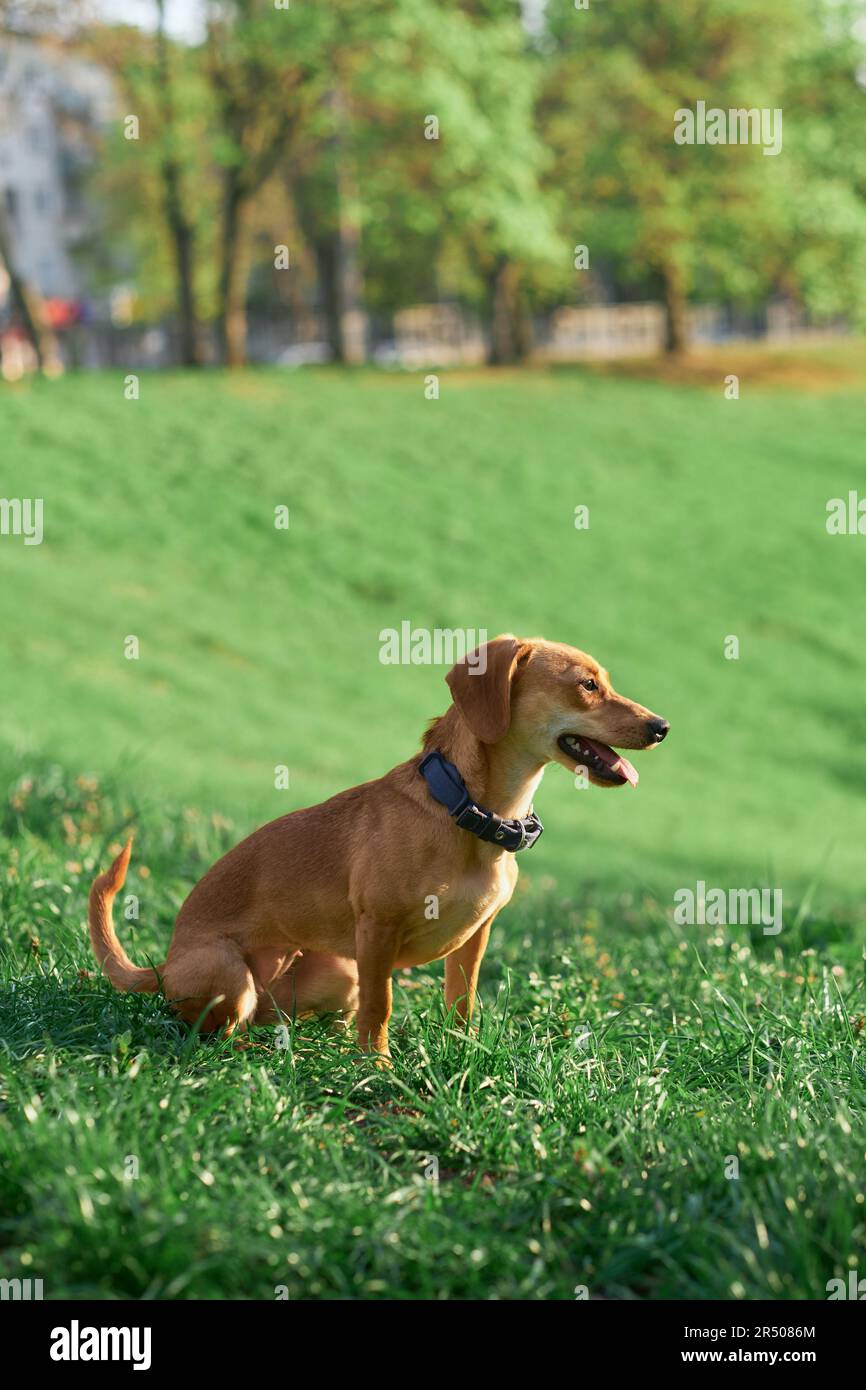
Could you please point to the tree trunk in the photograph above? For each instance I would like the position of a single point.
(326, 201)
(183, 243)
(232, 309)
(510, 330)
(340, 285)
(26, 303)
(324, 252)
(676, 332)
(350, 319)
(350, 328)
(180, 228)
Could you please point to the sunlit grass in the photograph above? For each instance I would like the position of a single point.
(586, 1137)
(643, 1110)
(260, 647)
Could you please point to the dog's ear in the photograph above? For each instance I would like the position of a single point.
(480, 685)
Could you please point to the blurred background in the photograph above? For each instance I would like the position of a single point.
(421, 181)
(434, 276)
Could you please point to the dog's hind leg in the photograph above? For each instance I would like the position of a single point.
(211, 985)
(317, 983)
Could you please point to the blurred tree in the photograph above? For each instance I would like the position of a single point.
(415, 164)
(155, 185)
(456, 174)
(30, 19)
(326, 190)
(720, 217)
(259, 61)
(180, 223)
(463, 148)
(819, 220)
(26, 302)
(329, 166)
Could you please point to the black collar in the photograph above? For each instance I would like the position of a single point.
(448, 788)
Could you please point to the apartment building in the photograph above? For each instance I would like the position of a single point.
(51, 107)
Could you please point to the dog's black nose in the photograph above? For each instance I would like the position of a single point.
(658, 728)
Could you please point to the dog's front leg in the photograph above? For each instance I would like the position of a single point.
(461, 970)
(375, 951)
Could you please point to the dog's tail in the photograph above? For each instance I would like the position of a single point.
(106, 947)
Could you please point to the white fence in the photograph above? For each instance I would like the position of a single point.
(443, 335)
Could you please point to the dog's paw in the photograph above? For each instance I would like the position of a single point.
(380, 1060)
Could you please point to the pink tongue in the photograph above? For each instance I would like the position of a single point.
(612, 760)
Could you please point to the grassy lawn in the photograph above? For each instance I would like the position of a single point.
(583, 1138)
(261, 647)
(586, 1135)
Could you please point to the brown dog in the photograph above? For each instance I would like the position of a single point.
(314, 911)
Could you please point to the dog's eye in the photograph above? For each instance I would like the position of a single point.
(589, 684)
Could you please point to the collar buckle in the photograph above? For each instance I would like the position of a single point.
(448, 788)
(471, 818)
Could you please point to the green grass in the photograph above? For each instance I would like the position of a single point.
(583, 1134)
(260, 647)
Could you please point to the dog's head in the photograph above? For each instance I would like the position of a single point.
(555, 703)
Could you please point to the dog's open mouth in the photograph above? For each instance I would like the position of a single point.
(603, 762)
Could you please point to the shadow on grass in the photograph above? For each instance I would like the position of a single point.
(80, 1016)
(87, 1018)
(833, 366)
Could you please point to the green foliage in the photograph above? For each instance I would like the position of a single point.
(128, 182)
(436, 211)
(256, 98)
(725, 220)
(545, 140)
